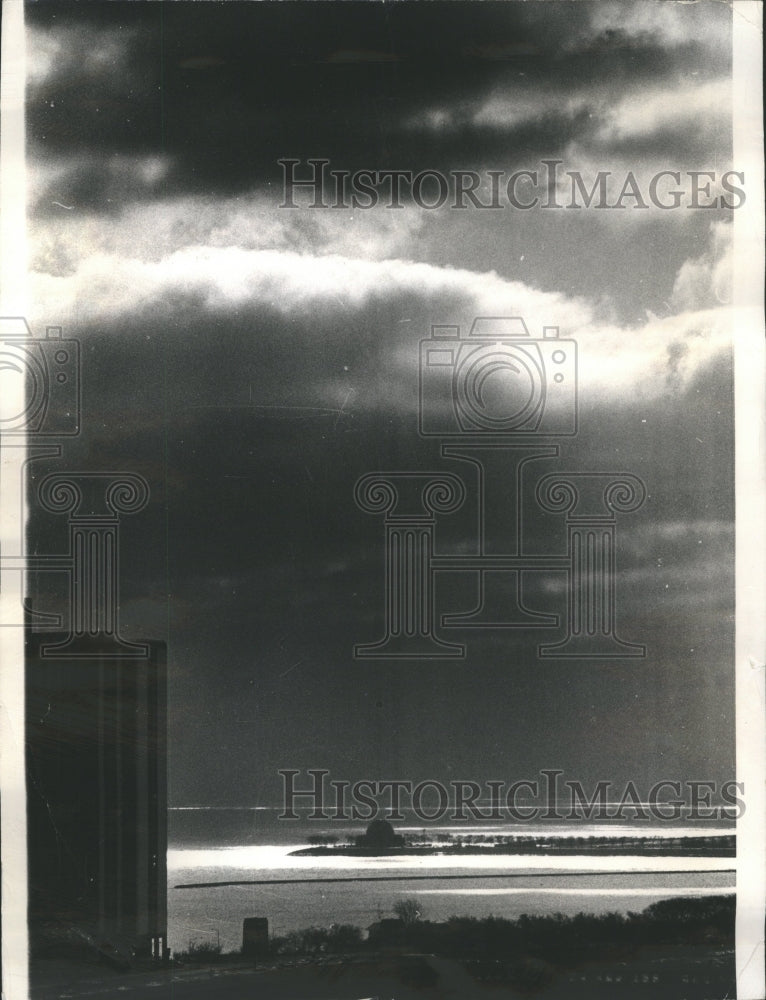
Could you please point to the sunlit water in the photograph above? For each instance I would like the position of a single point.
(609, 884)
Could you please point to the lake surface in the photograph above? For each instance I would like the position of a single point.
(261, 825)
(505, 886)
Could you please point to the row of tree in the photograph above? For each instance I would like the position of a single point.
(556, 938)
(719, 846)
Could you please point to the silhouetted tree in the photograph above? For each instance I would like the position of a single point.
(408, 911)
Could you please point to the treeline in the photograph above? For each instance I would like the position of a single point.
(557, 939)
(715, 846)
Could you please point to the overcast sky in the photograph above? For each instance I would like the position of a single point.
(253, 361)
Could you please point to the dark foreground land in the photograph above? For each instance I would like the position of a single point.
(692, 973)
(677, 949)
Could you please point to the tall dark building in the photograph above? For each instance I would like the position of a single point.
(96, 780)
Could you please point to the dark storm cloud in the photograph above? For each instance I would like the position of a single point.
(223, 91)
(263, 573)
(240, 421)
(252, 364)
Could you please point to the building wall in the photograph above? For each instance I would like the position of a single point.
(97, 798)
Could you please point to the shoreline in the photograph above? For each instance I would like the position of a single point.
(438, 877)
(692, 847)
